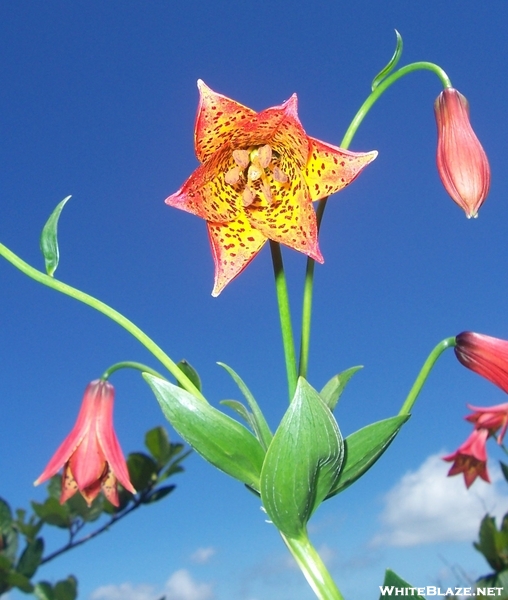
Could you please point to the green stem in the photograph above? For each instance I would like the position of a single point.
(285, 318)
(129, 364)
(114, 315)
(346, 141)
(313, 568)
(424, 373)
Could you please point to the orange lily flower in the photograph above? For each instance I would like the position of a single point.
(91, 455)
(259, 174)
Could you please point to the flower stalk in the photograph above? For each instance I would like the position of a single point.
(113, 314)
(313, 568)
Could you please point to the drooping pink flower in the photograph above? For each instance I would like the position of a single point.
(471, 458)
(491, 418)
(485, 355)
(461, 160)
(259, 174)
(91, 455)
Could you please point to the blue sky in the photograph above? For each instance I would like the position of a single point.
(98, 100)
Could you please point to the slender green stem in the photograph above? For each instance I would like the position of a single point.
(285, 318)
(346, 141)
(382, 87)
(114, 315)
(129, 364)
(424, 373)
(313, 568)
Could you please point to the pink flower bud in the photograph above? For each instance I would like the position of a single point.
(461, 161)
(91, 455)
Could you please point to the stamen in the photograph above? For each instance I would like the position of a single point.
(265, 186)
(247, 197)
(264, 155)
(241, 158)
(279, 175)
(232, 176)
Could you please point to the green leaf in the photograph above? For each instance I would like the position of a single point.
(5, 516)
(392, 63)
(332, 391)
(191, 373)
(44, 591)
(259, 423)
(142, 470)
(493, 543)
(49, 239)
(157, 442)
(221, 440)
(159, 494)
(53, 513)
(67, 589)
(242, 411)
(364, 447)
(30, 559)
(302, 462)
(79, 508)
(8, 535)
(18, 580)
(392, 580)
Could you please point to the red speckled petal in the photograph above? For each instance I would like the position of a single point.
(329, 168)
(290, 219)
(217, 121)
(279, 127)
(234, 245)
(206, 193)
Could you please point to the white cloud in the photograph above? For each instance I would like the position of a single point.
(125, 591)
(426, 506)
(180, 586)
(203, 555)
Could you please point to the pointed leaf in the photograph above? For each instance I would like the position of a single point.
(260, 425)
(191, 373)
(392, 63)
(364, 447)
(302, 463)
(222, 441)
(332, 391)
(30, 559)
(393, 581)
(8, 535)
(49, 239)
(242, 411)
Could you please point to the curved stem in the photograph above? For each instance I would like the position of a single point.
(285, 318)
(129, 364)
(113, 314)
(424, 373)
(313, 568)
(346, 141)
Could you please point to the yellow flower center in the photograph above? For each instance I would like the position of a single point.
(252, 173)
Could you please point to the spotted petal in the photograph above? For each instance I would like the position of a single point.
(291, 219)
(206, 193)
(329, 168)
(234, 245)
(217, 121)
